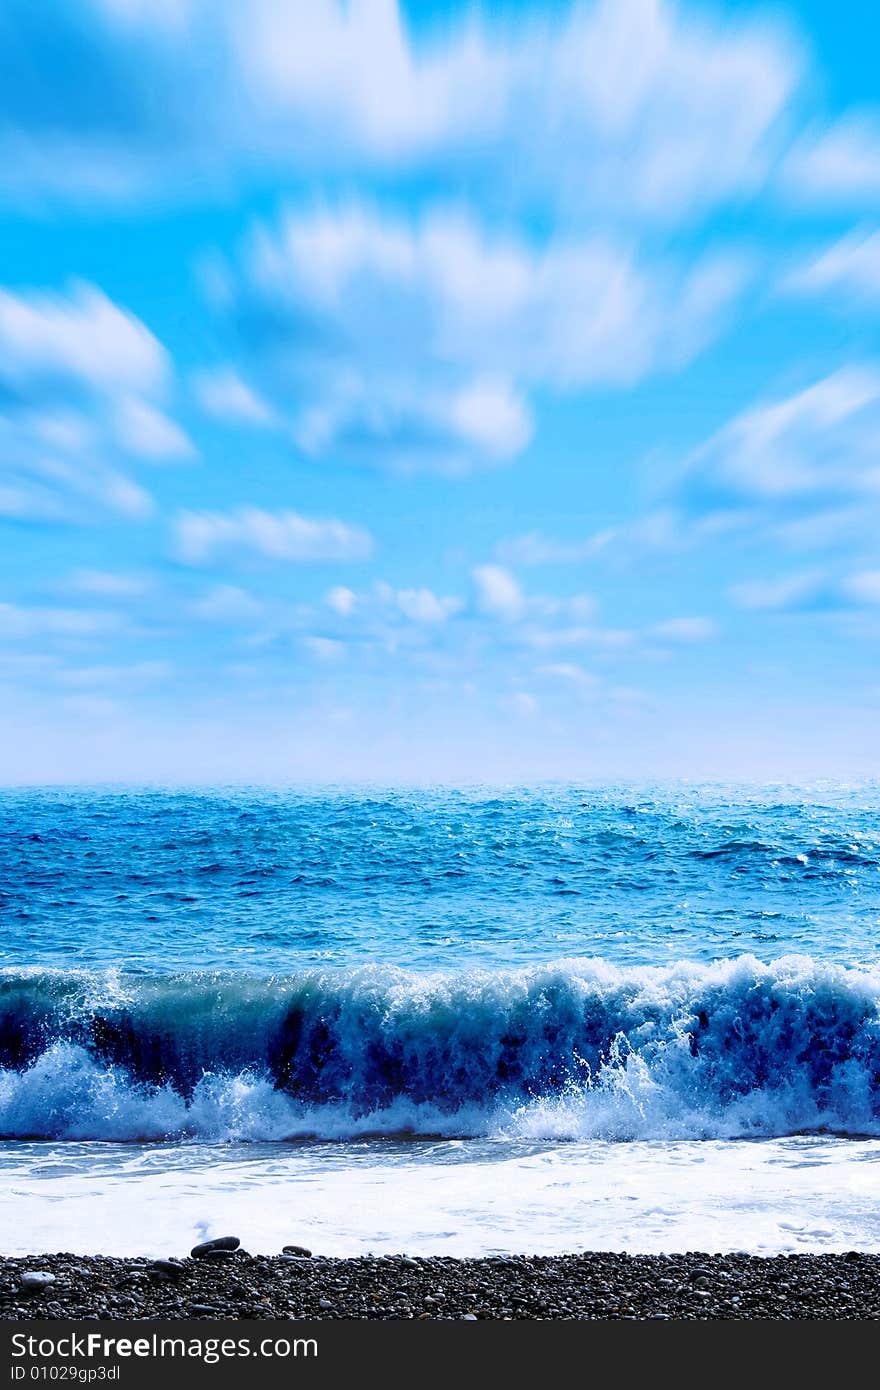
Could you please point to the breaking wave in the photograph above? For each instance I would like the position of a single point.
(574, 1049)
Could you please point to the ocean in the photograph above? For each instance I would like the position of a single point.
(436, 1021)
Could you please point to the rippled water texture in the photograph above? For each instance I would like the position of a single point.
(268, 882)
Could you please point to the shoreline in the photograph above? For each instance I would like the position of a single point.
(589, 1286)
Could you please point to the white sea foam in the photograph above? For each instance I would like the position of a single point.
(444, 1197)
(572, 1050)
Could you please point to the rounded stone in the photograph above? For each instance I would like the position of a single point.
(208, 1247)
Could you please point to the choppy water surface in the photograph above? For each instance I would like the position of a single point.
(271, 881)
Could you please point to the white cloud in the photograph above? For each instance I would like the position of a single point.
(838, 165)
(792, 591)
(408, 428)
(684, 630)
(424, 606)
(569, 672)
(419, 606)
(79, 380)
(93, 707)
(498, 592)
(327, 650)
(80, 337)
(249, 531)
(569, 313)
(489, 416)
(18, 621)
(55, 469)
(801, 472)
(813, 591)
(852, 264)
(107, 583)
(824, 439)
(342, 600)
(138, 673)
(658, 530)
(665, 109)
(603, 638)
(578, 606)
(223, 394)
(538, 549)
(226, 603)
(146, 432)
(470, 322)
(521, 702)
(852, 525)
(863, 587)
(163, 14)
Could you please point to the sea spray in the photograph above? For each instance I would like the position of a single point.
(572, 1049)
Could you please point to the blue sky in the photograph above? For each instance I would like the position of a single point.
(402, 392)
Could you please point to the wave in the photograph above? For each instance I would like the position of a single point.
(574, 1049)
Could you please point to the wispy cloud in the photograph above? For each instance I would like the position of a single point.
(658, 530)
(224, 395)
(342, 600)
(420, 605)
(822, 440)
(227, 603)
(19, 620)
(55, 469)
(811, 591)
(684, 630)
(780, 595)
(416, 343)
(80, 379)
(851, 265)
(863, 588)
(327, 650)
(520, 702)
(202, 537)
(145, 432)
(602, 638)
(570, 673)
(534, 548)
(108, 584)
(132, 676)
(838, 164)
(665, 110)
(498, 592)
(79, 338)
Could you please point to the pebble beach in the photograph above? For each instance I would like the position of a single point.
(237, 1285)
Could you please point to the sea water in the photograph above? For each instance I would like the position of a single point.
(441, 1021)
